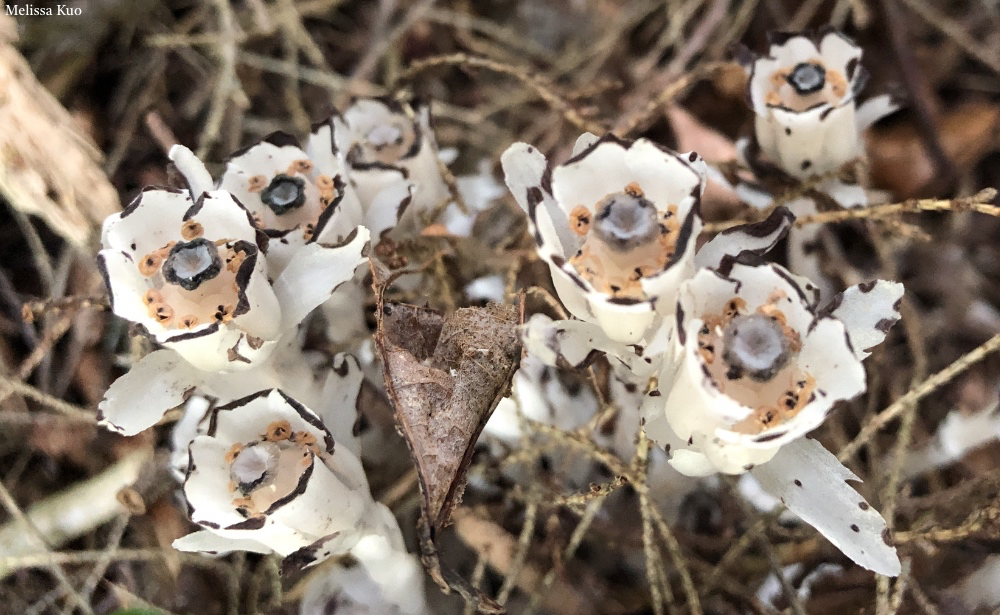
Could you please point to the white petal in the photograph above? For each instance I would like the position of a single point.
(523, 168)
(336, 543)
(397, 573)
(198, 179)
(838, 52)
(759, 83)
(487, 288)
(339, 406)
(754, 197)
(583, 142)
(140, 397)
(795, 49)
(848, 196)
(623, 323)
(811, 142)
(981, 588)
(125, 288)
(958, 434)
(193, 423)
(874, 109)
(388, 206)
(810, 481)
(757, 239)
(574, 343)
(314, 273)
(868, 311)
(598, 171)
(321, 147)
(222, 348)
(150, 222)
(223, 218)
(345, 310)
(207, 541)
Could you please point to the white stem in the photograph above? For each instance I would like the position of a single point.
(70, 513)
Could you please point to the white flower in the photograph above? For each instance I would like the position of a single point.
(384, 581)
(192, 275)
(393, 156)
(331, 389)
(803, 93)
(268, 476)
(758, 365)
(617, 225)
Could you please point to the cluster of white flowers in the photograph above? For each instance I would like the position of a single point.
(727, 360)
(221, 274)
(735, 359)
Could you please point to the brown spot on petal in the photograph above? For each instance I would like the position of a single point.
(224, 313)
(150, 264)
(579, 220)
(278, 431)
(634, 190)
(234, 452)
(191, 230)
(152, 296)
(256, 183)
(189, 322)
(323, 182)
(163, 313)
(300, 166)
(838, 83)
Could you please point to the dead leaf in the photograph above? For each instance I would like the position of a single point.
(48, 166)
(694, 136)
(899, 159)
(444, 376)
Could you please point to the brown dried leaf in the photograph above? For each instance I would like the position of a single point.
(899, 159)
(48, 166)
(444, 375)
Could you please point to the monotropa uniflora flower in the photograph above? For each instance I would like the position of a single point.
(268, 477)
(191, 274)
(758, 365)
(394, 160)
(807, 120)
(616, 223)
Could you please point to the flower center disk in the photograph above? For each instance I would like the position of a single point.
(284, 193)
(807, 78)
(755, 346)
(255, 465)
(625, 221)
(385, 143)
(190, 263)
(627, 239)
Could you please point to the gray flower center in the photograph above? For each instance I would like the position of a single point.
(807, 78)
(284, 193)
(190, 263)
(255, 465)
(625, 221)
(755, 346)
(385, 135)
